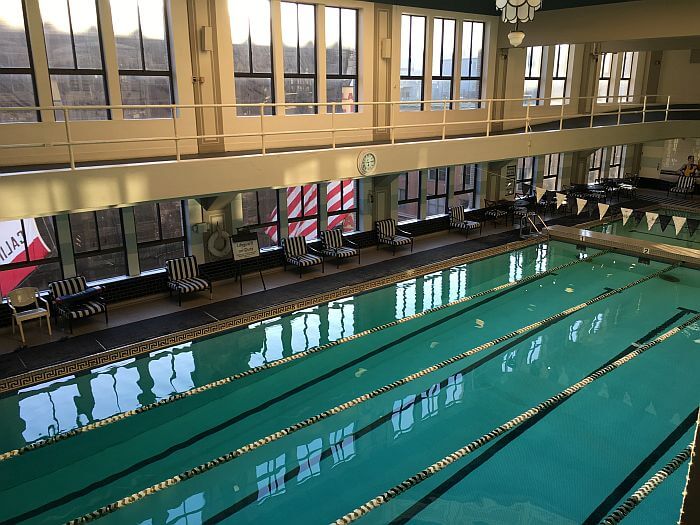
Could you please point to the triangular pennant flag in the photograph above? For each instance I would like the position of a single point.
(664, 220)
(651, 219)
(638, 215)
(678, 222)
(603, 209)
(692, 225)
(626, 213)
(580, 204)
(539, 192)
(561, 199)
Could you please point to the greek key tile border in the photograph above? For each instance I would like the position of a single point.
(82, 364)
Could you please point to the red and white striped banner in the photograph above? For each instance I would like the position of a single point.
(12, 250)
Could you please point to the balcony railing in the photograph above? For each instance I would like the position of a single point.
(538, 114)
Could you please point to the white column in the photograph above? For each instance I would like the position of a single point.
(65, 245)
(130, 242)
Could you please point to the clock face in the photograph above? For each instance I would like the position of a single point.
(368, 163)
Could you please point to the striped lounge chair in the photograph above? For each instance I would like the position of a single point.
(333, 245)
(184, 277)
(684, 186)
(72, 299)
(388, 233)
(459, 221)
(495, 212)
(297, 254)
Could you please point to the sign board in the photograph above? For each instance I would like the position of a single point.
(244, 246)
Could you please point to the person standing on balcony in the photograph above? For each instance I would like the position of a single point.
(689, 169)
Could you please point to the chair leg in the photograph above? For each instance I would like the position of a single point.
(14, 321)
(179, 298)
(300, 271)
(106, 316)
(21, 332)
(211, 292)
(393, 251)
(70, 324)
(48, 323)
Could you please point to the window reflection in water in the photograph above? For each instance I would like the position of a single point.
(429, 402)
(432, 290)
(534, 353)
(309, 457)
(515, 270)
(402, 415)
(455, 390)
(270, 477)
(405, 298)
(343, 444)
(542, 259)
(458, 282)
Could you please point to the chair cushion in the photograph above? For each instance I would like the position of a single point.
(456, 214)
(342, 252)
(294, 246)
(466, 225)
(86, 310)
(191, 284)
(85, 296)
(31, 314)
(496, 213)
(386, 228)
(69, 286)
(397, 240)
(332, 238)
(304, 260)
(182, 268)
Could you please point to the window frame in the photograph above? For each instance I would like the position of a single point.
(547, 174)
(259, 224)
(435, 188)
(520, 172)
(536, 101)
(143, 72)
(467, 171)
(355, 210)
(557, 74)
(600, 99)
(617, 161)
(25, 71)
(77, 71)
(341, 76)
(471, 77)
(409, 103)
(626, 96)
(99, 250)
(411, 200)
(293, 110)
(170, 240)
(436, 106)
(592, 167)
(303, 216)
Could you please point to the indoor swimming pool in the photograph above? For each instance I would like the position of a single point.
(525, 325)
(656, 234)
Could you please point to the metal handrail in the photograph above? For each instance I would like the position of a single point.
(451, 106)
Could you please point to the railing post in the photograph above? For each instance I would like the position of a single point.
(561, 116)
(668, 106)
(175, 132)
(488, 118)
(69, 139)
(619, 110)
(644, 110)
(444, 117)
(527, 118)
(262, 128)
(333, 125)
(592, 112)
(391, 122)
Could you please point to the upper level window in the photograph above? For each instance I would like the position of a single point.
(299, 45)
(525, 174)
(74, 53)
(341, 58)
(605, 78)
(436, 187)
(465, 184)
(342, 204)
(472, 60)
(617, 161)
(412, 61)
(16, 78)
(629, 64)
(143, 56)
(443, 60)
(409, 195)
(550, 179)
(560, 74)
(533, 76)
(252, 55)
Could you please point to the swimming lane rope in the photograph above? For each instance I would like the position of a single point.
(235, 377)
(642, 492)
(545, 406)
(230, 456)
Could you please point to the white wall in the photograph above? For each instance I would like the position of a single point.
(679, 78)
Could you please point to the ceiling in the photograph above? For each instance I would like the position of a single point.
(488, 7)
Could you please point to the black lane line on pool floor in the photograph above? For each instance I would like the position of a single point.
(470, 467)
(240, 417)
(640, 471)
(252, 497)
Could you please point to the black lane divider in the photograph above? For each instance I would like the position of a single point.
(244, 415)
(487, 454)
(291, 474)
(639, 472)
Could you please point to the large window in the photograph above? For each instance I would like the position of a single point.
(409, 195)
(550, 179)
(302, 211)
(595, 165)
(533, 76)
(98, 244)
(525, 174)
(443, 61)
(605, 78)
(28, 254)
(342, 205)
(560, 74)
(626, 87)
(260, 216)
(252, 54)
(465, 184)
(412, 61)
(143, 56)
(436, 191)
(299, 45)
(617, 161)
(74, 53)
(160, 233)
(16, 78)
(472, 61)
(341, 58)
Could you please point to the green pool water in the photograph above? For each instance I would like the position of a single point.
(571, 466)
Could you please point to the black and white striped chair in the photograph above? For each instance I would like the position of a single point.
(459, 221)
(684, 186)
(388, 233)
(297, 254)
(184, 277)
(495, 212)
(333, 245)
(72, 299)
